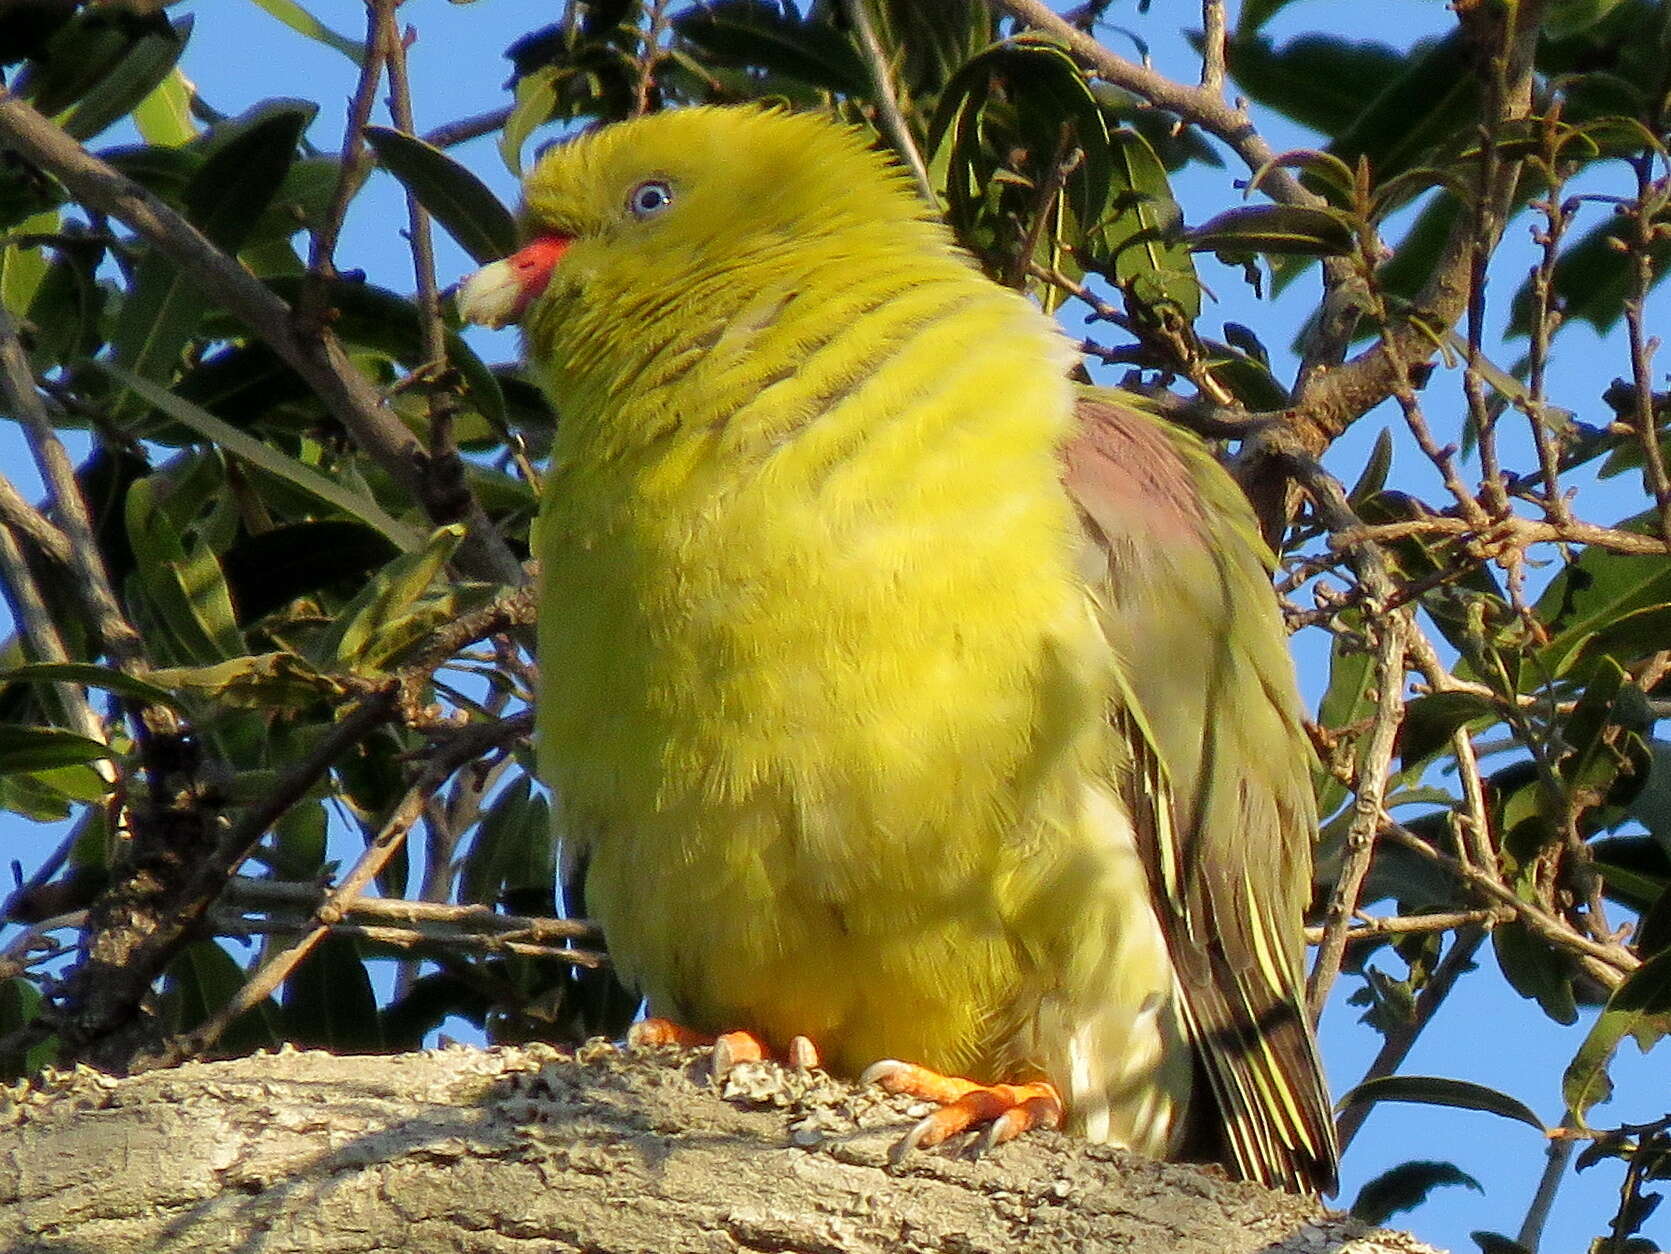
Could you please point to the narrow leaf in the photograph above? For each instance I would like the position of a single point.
(271, 460)
(26, 749)
(1640, 1007)
(1439, 1091)
(91, 675)
(456, 198)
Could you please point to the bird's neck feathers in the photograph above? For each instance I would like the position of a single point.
(625, 339)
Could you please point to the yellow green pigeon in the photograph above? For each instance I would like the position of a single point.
(896, 693)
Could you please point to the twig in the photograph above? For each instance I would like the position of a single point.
(1606, 963)
(1369, 788)
(1642, 348)
(235, 845)
(647, 58)
(418, 233)
(1212, 46)
(462, 130)
(354, 160)
(40, 634)
(1556, 1157)
(32, 525)
(1206, 109)
(1369, 927)
(469, 744)
(894, 125)
(413, 938)
(247, 893)
(92, 582)
(1522, 532)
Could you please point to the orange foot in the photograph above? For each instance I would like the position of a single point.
(730, 1048)
(1007, 1110)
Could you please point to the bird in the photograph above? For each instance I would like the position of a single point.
(899, 693)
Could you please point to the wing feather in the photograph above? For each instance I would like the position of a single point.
(1216, 774)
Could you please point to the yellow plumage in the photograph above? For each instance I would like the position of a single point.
(828, 703)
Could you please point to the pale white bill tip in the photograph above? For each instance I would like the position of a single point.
(493, 296)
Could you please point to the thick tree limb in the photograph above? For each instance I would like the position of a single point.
(526, 1149)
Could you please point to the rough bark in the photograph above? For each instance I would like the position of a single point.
(536, 1150)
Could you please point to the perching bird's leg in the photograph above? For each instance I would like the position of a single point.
(1006, 1110)
(730, 1048)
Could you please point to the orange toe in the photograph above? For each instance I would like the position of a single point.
(649, 1033)
(1004, 1110)
(730, 1048)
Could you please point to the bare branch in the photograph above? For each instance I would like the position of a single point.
(894, 124)
(467, 745)
(91, 581)
(1198, 105)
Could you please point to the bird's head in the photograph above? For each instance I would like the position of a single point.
(647, 208)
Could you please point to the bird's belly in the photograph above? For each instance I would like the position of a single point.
(736, 923)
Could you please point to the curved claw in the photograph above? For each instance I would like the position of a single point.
(731, 1048)
(651, 1033)
(1005, 1110)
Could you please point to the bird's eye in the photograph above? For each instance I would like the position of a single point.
(648, 199)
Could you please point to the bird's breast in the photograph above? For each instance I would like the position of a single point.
(819, 643)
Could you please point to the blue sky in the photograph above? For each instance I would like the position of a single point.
(1487, 1033)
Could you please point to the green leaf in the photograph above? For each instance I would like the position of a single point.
(301, 21)
(1405, 1187)
(357, 630)
(1439, 1091)
(1255, 13)
(1639, 1007)
(536, 98)
(1533, 970)
(761, 35)
(1430, 721)
(1346, 702)
(20, 1001)
(1430, 101)
(199, 981)
(270, 681)
(329, 1002)
(513, 847)
(269, 569)
(1293, 230)
(81, 54)
(1322, 82)
(1569, 17)
(1592, 764)
(119, 91)
(225, 198)
(184, 587)
(1591, 595)
(1651, 806)
(272, 460)
(1375, 471)
(1142, 229)
(379, 319)
(24, 266)
(164, 117)
(29, 749)
(456, 198)
(91, 675)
